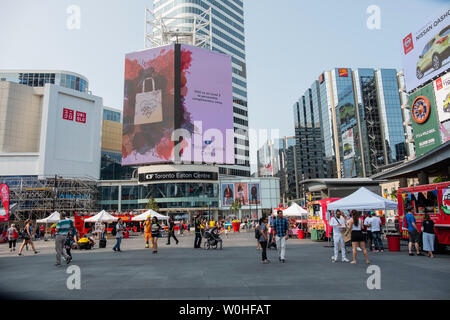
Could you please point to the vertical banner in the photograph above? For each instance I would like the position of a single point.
(424, 120)
(4, 203)
(254, 193)
(227, 194)
(241, 194)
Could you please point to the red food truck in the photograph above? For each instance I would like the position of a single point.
(433, 199)
(318, 215)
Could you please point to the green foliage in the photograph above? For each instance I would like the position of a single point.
(235, 206)
(151, 204)
(440, 179)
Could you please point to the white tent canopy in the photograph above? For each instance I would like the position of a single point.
(294, 210)
(54, 217)
(102, 216)
(149, 213)
(363, 200)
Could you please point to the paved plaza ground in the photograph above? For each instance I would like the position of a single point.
(236, 272)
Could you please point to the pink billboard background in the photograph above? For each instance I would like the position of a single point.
(207, 100)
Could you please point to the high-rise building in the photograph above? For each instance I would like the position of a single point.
(225, 33)
(350, 124)
(277, 158)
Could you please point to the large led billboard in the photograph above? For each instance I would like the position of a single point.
(424, 120)
(148, 106)
(425, 52)
(178, 106)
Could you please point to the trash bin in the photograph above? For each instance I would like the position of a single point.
(301, 234)
(236, 226)
(126, 235)
(393, 242)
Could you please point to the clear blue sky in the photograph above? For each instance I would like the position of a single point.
(288, 43)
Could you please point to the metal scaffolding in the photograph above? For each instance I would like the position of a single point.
(192, 29)
(37, 197)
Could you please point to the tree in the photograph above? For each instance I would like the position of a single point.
(152, 204)
(235, 206)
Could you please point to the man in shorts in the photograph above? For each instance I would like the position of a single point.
(413, 232)
(148, 231)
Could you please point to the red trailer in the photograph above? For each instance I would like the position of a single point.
(318, 215)
(433, 199)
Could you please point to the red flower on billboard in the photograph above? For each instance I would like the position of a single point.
(132, 69)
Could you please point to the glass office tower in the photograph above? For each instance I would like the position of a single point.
(352, 121)
(227, 25)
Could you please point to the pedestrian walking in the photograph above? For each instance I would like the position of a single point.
(119, 235)
(258, 236)
(156, 233)
(263, 238)
(281, 227)
(171, 231)
(61, 231)
(271, 242)
(181, 228)
(338, 225)
(13, 234)
(367, 220)
(27, 237)
(428, 235)
(375, 225)
(357, 237)
(198, 233)
(70, 239)
(413, 232)
(148, 231)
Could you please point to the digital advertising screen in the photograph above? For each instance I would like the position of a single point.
(227, 192)
(148, 107)
(207, 105)
(424, 120)
(178, 106)
(425, 51)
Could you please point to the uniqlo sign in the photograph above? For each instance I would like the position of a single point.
(81, 117)
(68, 114)
(408, 44)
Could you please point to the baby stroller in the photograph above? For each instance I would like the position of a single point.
(212, 239)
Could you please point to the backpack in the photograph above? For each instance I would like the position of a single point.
(114, 231)
(257, 233)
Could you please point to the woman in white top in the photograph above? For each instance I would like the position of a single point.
(357, 236)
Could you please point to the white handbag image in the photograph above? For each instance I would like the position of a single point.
(148, 105)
